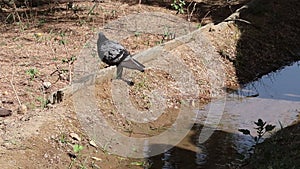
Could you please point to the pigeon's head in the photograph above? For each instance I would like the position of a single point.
(102, 37)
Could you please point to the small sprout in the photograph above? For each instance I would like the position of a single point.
(61, 39)
(136, 34)
(199, 26)
(32, 73)
(178, 5)
(69, 60)
(77, 148)
(43, 101)
(63, 139)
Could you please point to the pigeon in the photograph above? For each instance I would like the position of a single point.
(114, 54)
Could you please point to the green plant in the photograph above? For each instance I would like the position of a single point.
(43, 101)
(32, 72)
(63, 138)
(77, 148)
(137, 34)
(142, 84)
(167, 35)
(199, 26)
(178, 5)
(62, 40)
(77, 153)
(69, 60)
(261, 129)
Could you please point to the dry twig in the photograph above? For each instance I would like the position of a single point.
(12, 85)
(204, 17)
(190, 14)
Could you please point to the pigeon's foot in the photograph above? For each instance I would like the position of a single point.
(130, 83)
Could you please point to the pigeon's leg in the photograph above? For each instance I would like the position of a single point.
(131, 63)
(119, 71)
(119, 75)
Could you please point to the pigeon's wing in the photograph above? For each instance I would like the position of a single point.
(112, 52)
(131, 63)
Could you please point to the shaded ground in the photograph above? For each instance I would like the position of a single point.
(279, 151)
(261, 40)
(49, 38)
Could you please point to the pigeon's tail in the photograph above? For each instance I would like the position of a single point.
(131, 63)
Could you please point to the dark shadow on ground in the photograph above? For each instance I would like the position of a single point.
(280, 151)
(204, 12)
(270, 41)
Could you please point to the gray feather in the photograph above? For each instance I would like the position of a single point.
(110, 52)
(113, 53)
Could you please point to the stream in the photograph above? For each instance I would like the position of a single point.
(274, 98)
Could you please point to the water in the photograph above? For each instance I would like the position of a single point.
(281, 85)
(275, 98)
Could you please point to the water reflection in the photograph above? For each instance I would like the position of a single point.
(274, 98)
(281, 85)
(220, 151)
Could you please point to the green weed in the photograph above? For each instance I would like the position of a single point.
(261, 128)
(178, 5)
(32, 72)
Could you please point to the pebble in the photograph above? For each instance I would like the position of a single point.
(96, 159)
(47, 85)
(75, 136)
(22, 109)
(5, 112)
(93, 143)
